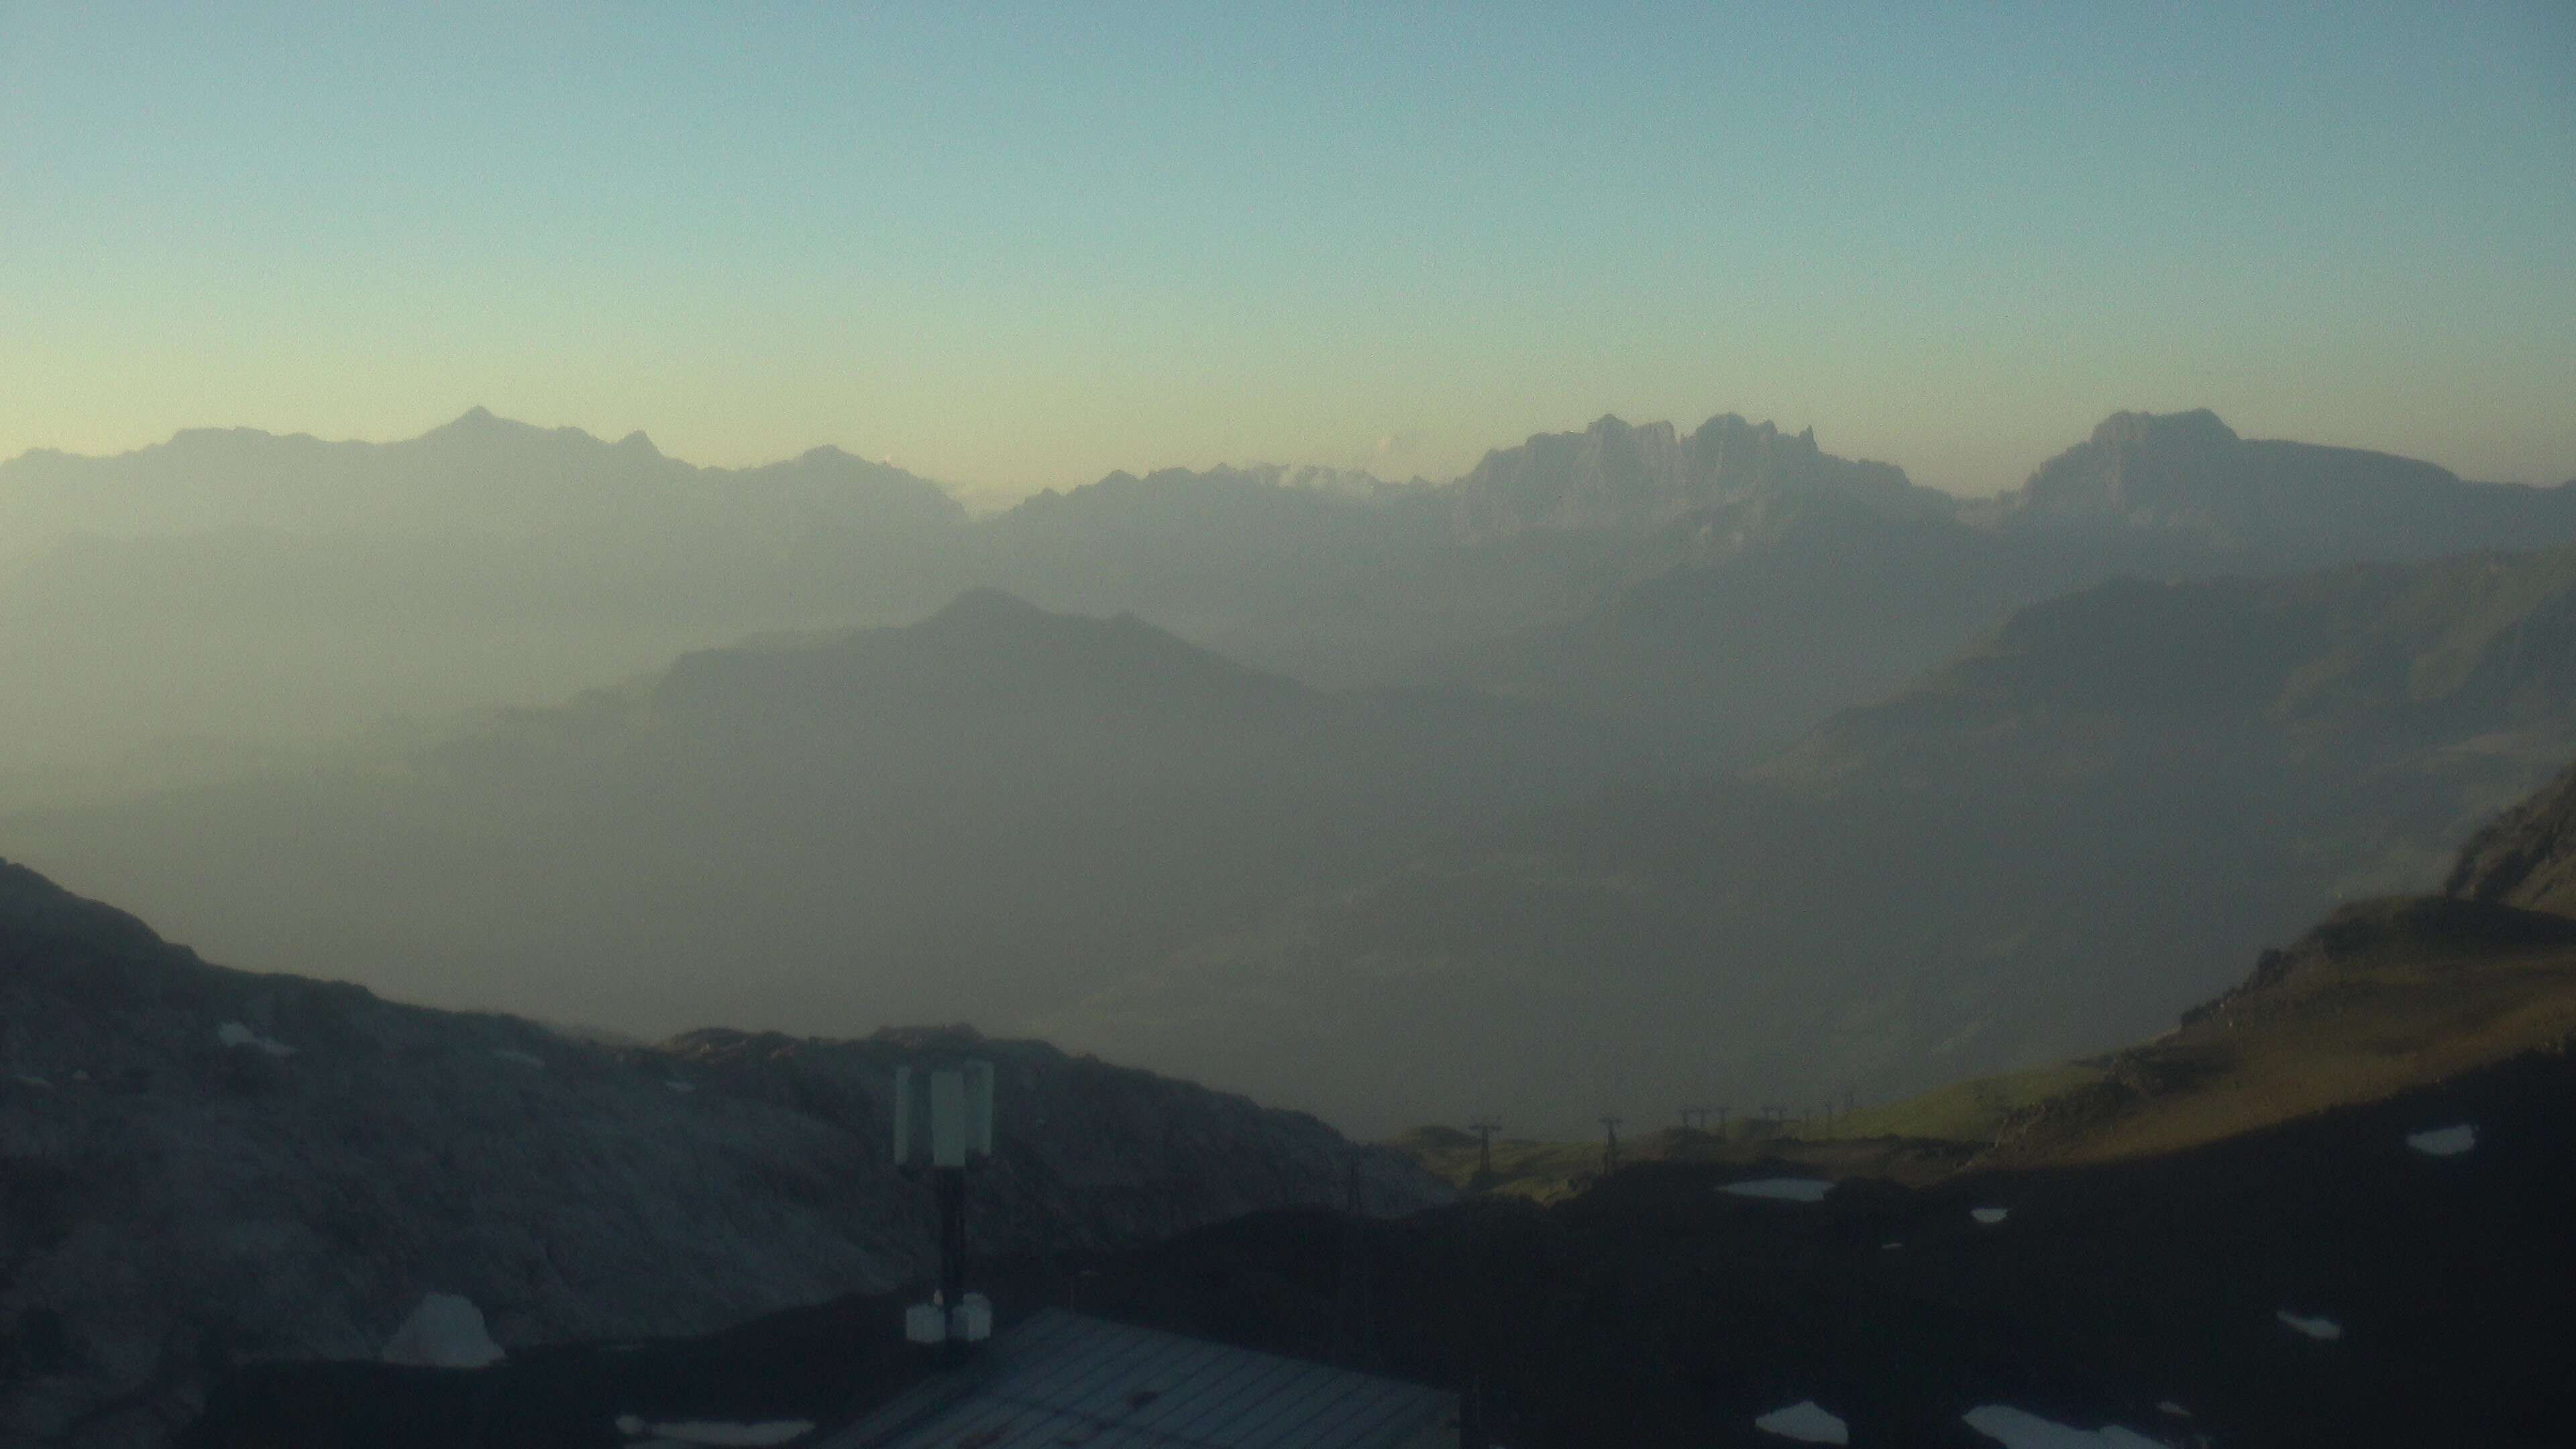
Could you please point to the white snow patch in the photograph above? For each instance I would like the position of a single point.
(2445, 1141)
(1787, 1189)
(683, 1088)
(2314, 1327)
(1889, 1247)
(2168, 1406)
(525, 1059)
(445, 1331)
(2020, 1429)
(28, 1081)
(1990, 1216)
(711, 1432)
(233, 1034)
(1806, 1423)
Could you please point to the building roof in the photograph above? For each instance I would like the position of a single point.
(1061, 1379)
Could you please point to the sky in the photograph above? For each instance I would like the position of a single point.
(1017, 247)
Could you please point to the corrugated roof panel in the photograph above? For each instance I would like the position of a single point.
(1247, 1379)
(1061, 1381)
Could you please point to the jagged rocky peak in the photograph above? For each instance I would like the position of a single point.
(2196, 428)
(479, 421)
(2160, 468)
(2191, 476)
(1619, 475)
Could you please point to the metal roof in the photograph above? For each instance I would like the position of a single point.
(1060, 1379)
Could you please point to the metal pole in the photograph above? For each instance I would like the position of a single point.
(950, 1184)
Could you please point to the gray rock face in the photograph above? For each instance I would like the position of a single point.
(1614, 475)
(176, 1196)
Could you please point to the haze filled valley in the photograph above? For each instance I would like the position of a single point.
(1752, 774)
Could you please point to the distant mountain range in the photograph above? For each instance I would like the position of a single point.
(1713, 593)
(1631, 750)
(480, 475)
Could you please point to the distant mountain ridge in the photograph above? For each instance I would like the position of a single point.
(1717, 591)
(2371, 655)
(479, 474)
(2190, 474)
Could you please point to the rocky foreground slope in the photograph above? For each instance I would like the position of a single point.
(202, 1167)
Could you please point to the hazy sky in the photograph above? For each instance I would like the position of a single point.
(1020, 247)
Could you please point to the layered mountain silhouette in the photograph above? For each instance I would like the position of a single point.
(239, 586)
(979, 815)
(479, 475)
(1775, 584)
(1712, 593)
(1422, 781)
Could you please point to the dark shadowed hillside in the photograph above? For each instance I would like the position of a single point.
(202, 1167)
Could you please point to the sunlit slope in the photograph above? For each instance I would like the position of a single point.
(2383, 998)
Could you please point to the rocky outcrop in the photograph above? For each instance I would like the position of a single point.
(201, 1167)
(2357, 935)
(2526, 856)
(1618, 476)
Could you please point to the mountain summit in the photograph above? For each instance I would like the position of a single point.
(1617, 475)
(2189, 473)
